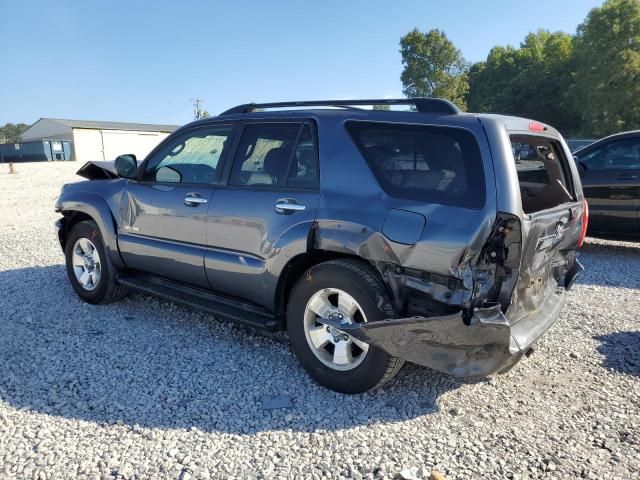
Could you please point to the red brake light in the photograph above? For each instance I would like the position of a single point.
(585, 222)
(537, 127)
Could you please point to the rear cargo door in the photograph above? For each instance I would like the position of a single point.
(551, 225)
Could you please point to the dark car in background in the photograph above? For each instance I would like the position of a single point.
(578, 143)
(433, 236)
(610, 174)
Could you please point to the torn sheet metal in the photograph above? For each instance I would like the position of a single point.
(464, 345)
(477, 347)
(98, 170)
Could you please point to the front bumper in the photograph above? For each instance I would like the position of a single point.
(60, 229)
(485, 344)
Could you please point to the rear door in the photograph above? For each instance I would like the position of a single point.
(163, 231)
(262, 217)
(611, 182)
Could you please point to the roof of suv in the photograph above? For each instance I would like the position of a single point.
(434, 107)
(421, 104)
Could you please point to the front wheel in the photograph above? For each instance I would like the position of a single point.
(349, 291)
(89, 269)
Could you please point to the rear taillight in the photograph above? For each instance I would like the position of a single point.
(585, 222)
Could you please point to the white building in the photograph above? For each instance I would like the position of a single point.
(100, 140)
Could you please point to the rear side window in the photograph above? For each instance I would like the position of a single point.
(303, 172)
(543, 173)
(275, 155)
(424, 163)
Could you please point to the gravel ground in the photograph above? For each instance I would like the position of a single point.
(146, 389)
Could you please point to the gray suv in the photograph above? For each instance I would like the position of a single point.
(373, 237)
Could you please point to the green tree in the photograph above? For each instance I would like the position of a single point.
(433, 67)
(11, 132)
(381, 107)
(607, 56)
(533, 81)
(204, 114)
(490, 82)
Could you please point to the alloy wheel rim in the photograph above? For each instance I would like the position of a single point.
(86, 264)
(336, 349)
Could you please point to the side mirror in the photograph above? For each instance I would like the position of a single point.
(127, 166)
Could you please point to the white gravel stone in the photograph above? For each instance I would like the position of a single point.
(144, 389)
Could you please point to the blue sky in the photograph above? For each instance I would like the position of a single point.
(142, 61)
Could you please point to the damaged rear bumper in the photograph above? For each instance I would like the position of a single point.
(482, 345)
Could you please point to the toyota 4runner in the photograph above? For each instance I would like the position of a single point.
(442, 238)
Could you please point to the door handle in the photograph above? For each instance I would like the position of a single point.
(627, 177)
(288, 207)
(194, 199)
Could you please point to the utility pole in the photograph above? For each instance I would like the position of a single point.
(197, 112)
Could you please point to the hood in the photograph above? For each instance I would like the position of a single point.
(98, 170)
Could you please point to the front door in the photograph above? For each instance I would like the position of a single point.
(262, 216)
(164, 214)
(611, 184)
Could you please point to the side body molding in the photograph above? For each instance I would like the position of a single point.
(256, 277)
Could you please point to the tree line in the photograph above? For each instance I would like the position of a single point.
(11, 132)
(586, 84)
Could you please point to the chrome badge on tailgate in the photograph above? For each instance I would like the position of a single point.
(549, 241)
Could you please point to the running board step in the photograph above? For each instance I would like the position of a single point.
(202, 300)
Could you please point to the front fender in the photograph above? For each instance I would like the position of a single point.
(97, 208)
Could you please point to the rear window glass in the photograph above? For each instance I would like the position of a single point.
(424, 163)
(543, 172)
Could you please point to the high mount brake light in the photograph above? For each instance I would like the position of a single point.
(585, 222)
(537, 127)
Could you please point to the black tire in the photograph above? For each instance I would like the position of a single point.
(361, 282)
(107, 288)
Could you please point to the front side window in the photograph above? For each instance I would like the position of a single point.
(617, 155)
(425, 163)
(193, 157)
(275, 155)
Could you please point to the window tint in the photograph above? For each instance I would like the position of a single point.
(269, 154)
(304, 169)
(192, 157)
(618, 155)
(431, 164)
(542, 172)
(531, 163)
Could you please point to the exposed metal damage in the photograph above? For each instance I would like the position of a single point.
(443, 343)
(98, 170)
(459, 324)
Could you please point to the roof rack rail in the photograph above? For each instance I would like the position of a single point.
(422, 104)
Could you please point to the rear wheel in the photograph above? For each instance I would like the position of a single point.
(89, 269)
(348, 291)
